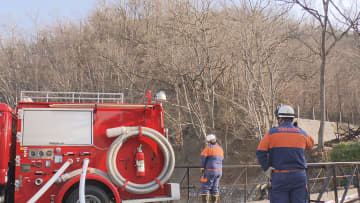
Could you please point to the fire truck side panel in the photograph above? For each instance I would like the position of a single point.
(29, 171)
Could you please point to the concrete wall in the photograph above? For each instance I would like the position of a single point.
(311, 127)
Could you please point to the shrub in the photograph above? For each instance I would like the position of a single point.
(346, 152)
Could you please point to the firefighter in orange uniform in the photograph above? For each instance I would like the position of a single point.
(281, 155)
(211, 159)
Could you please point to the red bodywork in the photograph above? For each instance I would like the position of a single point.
(7, 119)
(103, 118)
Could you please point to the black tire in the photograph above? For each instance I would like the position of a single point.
(95, 193)
(2, 194)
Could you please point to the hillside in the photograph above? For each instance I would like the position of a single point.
(224, 68)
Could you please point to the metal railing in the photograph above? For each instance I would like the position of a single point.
(246, 183)
(74, 97)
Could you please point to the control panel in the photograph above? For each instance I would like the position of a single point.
(41, 153)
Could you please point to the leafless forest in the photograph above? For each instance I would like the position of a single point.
(224, 65)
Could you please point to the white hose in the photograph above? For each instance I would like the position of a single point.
(82, 181)
(51, 181)
(74, 173)
(125, 133)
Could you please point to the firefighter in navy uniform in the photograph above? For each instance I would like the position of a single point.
(211, 159)
(281, 155)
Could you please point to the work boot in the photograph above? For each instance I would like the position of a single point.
(205, 198)
(215, 198)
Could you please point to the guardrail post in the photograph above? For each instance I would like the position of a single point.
(323, 188)
(245, 188)
(357, 180)
(349, 180)
(335, 185)
(188, 183)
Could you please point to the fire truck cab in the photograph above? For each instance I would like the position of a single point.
(69, 147)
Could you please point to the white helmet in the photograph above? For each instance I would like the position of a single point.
(285, 112)
(210, 137)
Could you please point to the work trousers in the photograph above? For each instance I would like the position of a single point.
(289, 187)
(210, 185)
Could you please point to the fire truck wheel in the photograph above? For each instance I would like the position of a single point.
(93, 194)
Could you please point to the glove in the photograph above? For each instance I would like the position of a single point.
(202, 177)
(268, 172)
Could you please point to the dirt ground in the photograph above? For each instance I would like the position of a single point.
(327, 196)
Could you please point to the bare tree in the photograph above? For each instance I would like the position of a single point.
(261, 41)
(330, 35)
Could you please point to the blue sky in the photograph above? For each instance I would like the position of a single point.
(25, 14)
(29, 15)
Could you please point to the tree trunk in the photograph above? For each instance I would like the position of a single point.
(322, 104)
(322, 77)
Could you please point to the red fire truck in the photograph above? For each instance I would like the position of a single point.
(85, 147)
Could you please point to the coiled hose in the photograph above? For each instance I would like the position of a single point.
(125, 133)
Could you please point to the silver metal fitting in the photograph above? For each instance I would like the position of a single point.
(38, 181)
